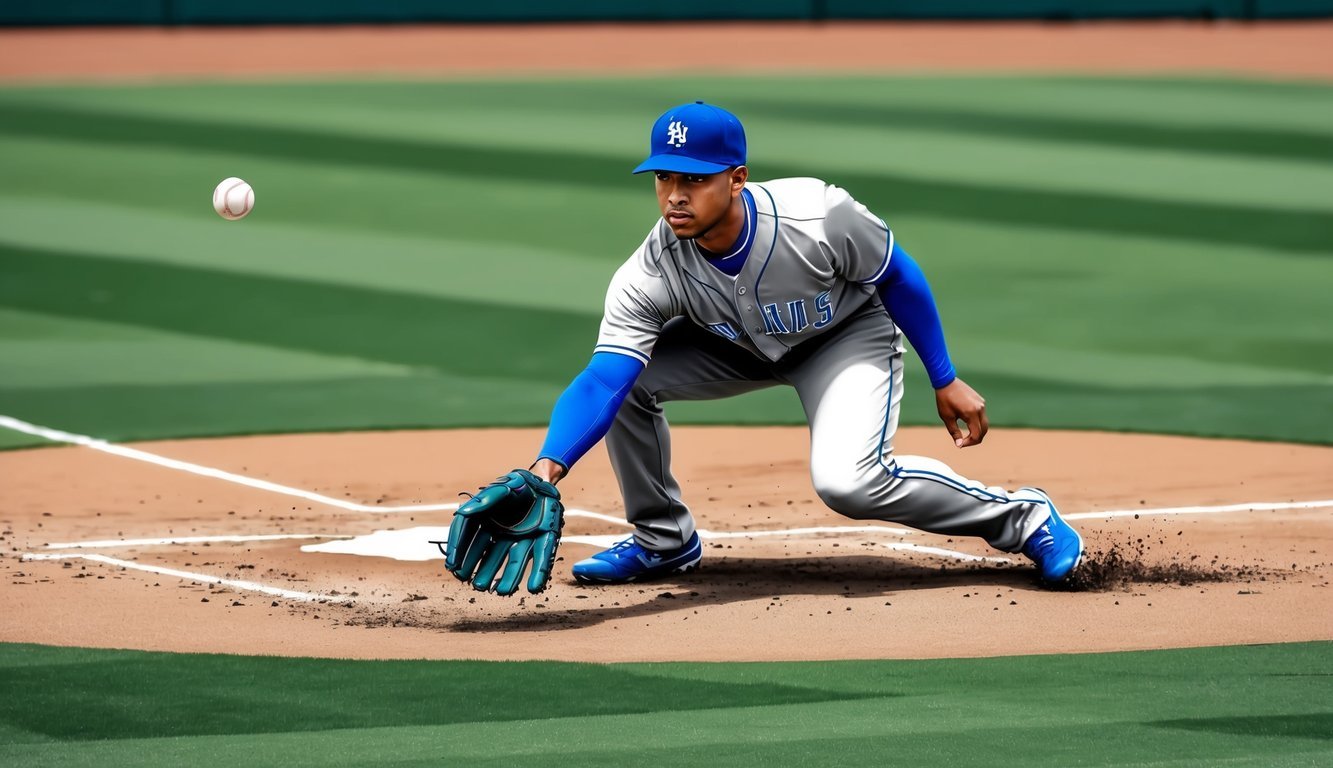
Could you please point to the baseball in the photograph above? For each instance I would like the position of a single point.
(233, 199)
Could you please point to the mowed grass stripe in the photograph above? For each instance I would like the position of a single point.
(522, 277)
(1258, 412)
(1148, 102)
(150, 695)
(918, 149)
(967, 123)
(1043, 166)
(364, 323)
(41, 351)
(433, 399)
(1248, 315)
(1190, 707)
(1295, 230)
(428, 399)
(814, 735)
(620, 103)
(550, 217)
(860, 133)
(428, 747)
(1288, 100)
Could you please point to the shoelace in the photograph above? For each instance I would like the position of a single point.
(620, 546)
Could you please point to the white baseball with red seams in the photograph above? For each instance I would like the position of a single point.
(233, 199)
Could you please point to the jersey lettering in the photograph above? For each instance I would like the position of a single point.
(724, 330)
(773, 320)
(825, 309)
(797, 317)
(797, 311)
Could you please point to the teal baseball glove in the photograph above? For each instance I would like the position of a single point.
(514, 522)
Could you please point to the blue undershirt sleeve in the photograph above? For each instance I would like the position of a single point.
(585, 410)
(907, 297)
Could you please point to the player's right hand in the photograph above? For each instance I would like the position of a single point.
(956, 402)
(511, 524)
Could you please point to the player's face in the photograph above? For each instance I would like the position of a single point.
(692, 205)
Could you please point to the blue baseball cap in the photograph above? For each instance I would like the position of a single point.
(695, 138)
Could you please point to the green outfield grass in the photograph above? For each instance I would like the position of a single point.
(1116, 253)
(1248, 706)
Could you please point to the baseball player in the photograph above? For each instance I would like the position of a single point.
(739, 286)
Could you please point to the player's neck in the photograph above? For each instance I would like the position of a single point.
(723, 236)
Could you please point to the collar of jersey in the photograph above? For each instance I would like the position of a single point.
(741, 248)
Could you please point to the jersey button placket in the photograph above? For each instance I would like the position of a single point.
(740, 291)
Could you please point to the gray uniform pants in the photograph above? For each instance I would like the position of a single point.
(850, 381)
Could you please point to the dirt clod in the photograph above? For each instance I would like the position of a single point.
(1119, 566)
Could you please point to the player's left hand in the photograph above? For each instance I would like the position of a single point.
(514, 522)
(956, 402)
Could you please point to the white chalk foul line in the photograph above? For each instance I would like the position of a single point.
(59, 436)
(249, 586)
(835, 529)
(1213, 510)
(950, 553)
(605, 540)
(105, 543)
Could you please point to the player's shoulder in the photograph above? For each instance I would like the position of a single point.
(802, 198)
(647, 258)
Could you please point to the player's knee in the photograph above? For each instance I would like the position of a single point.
(845, 491)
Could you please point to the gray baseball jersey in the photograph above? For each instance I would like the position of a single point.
(816, 253)
(809, 280)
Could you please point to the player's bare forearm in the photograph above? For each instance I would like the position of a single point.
(548, 470)
(956, 402)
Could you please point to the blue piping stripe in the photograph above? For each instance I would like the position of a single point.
(626, 351)
(888, 411)
(897, 471)
(888, 249)
(747, 238)
(777, 222)
(946, 480)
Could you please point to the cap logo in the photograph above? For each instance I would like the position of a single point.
(676, 134)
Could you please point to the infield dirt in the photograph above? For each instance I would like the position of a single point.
(1174, 580)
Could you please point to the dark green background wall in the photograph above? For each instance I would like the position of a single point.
(1037, 9)
(44, 12)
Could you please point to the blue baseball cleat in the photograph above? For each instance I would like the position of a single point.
(1056, 547)
(629, 560)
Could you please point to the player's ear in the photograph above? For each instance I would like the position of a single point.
(738, 176)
